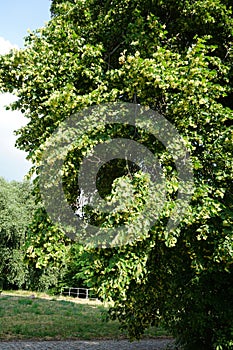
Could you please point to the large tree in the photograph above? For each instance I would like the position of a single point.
(174, 57)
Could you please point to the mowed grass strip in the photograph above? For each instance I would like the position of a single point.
(23, 317)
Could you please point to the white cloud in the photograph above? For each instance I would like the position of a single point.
(13, 164)
(6, 46)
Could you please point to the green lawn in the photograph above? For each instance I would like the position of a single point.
(23, 317)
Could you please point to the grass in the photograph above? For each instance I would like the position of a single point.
(46, 318)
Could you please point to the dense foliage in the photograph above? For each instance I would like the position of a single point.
(16, 205)
(176, 58)
(52, 260)
(35, 255)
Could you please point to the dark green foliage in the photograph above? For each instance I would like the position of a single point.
(16, 207)
(53, 260)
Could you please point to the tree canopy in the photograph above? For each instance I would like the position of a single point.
(174, 57)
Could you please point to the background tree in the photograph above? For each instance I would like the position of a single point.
(174, 57)
(16, 205)
(35, 254)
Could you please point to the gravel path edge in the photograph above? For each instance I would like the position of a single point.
(150, 344)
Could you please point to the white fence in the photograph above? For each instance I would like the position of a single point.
(84, 293)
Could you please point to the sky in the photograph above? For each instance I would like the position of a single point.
(16, 18)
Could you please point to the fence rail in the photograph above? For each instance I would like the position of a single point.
(84, 293)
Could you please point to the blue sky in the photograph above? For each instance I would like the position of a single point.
(16, 17)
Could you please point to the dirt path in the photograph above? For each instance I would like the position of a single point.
(151, 344)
